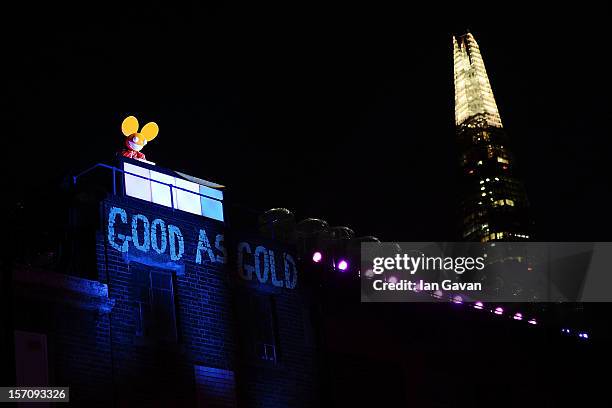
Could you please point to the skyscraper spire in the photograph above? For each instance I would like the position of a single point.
(473, 93)
(493, 204)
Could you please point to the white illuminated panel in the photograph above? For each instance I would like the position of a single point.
(160, 192)
(136, 186)
(187, 201)
(212, 208)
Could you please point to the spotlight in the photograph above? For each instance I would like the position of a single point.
(518, 316)
(498, 311)
(343, 265)
(317, 257)
(458, 300)
(565, 331)
(584, 336)
(532, 321)
(392, 279)
(438, 294)
(478, 305)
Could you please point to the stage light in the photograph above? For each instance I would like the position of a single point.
(458, 300)
(317, 257)
(478, 305)
(438, 294)
(368, 273)
(532, 321)
(343, 265)
(392, 279)
(518, 316)
(566, 331)
(498, 311)
(584, 336)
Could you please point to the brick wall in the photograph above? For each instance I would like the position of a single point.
(72, 314)
(209, 314)
(215, 388)
(290, 380)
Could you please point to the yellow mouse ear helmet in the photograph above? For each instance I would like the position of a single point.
(129, 126)
(149, 131)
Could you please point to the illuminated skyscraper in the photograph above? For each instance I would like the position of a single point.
(493, 201)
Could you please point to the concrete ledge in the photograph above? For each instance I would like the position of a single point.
(63, 288)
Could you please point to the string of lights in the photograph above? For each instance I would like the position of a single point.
(342, 265)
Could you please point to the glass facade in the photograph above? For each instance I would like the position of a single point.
(493, 201)
(473, 93)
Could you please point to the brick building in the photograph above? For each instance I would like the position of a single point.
(158, 302)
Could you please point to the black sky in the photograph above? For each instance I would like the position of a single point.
(340, 112)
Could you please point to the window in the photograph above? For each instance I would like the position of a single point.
(155, 309)
(264, 327)
(502, 160)
(259, 324)
(502, 202)
(187, 198)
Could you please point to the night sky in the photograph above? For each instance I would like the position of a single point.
(341, 113)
